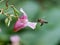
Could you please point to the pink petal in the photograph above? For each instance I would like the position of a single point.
(19, 25)
(32, 25)
(24, 16)
(15, 38)
(21, 22)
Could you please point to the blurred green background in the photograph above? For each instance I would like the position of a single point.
(48, 34)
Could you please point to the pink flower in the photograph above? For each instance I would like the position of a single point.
(23, 21)
(15, 40)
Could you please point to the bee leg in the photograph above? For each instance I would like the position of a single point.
(41, 24)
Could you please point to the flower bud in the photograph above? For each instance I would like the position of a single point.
(15, 40)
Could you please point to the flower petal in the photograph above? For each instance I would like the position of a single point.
(22, 11)
(24, 16)
(18, 25)
(32, 25)
(15, 38)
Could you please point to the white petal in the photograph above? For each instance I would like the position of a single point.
(21, 9)
(32, 25)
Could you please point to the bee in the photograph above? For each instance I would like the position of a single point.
(42, 21)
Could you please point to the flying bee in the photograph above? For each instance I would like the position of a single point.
(42, 21)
